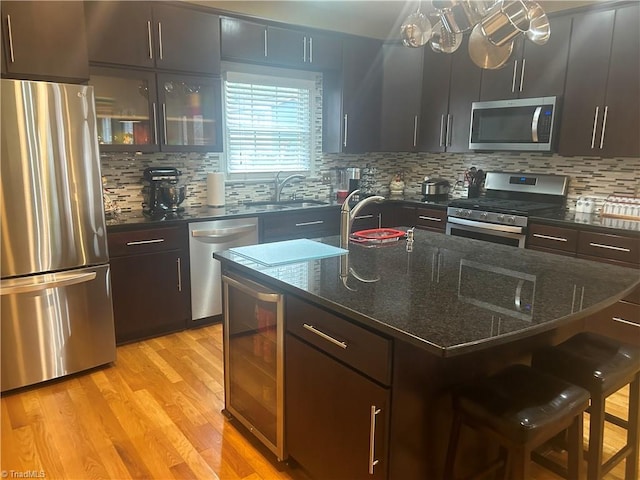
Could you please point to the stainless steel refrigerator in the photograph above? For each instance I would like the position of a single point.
(56, 312)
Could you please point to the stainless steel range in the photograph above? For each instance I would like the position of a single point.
(502, 215)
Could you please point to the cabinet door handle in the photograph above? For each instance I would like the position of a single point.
(513, 79)
(179, 274)
(149, 39)
(155, 123)
(9, 31)
(160, 41)
(627, 322)
(362, 217)
(304, 50)
(448, 140)
(164, 122)
(609, 247)
(314, 222)
(604, 125)
(372, 439)
(310, 49)
(433, 219)
(415, 130)
(442, 130)
(524, 62)
(346, 122)
(328, 338)
(593, 130)
(549, 237)
(145, 242)
(265, 43)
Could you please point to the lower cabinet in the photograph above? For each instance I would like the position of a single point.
(431, 219)
(149, 282)
(306, 223)
(336, 417)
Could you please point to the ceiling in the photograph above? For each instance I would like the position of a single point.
(371, 18)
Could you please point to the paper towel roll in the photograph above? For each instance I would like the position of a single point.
(215, 189)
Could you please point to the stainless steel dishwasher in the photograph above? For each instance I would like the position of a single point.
(205, 238)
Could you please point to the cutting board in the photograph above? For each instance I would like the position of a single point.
(289, 251)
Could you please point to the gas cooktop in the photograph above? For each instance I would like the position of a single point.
(499, 205)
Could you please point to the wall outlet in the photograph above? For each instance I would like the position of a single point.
(326, 178)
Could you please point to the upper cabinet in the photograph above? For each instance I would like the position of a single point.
(154, 35)
(450, 84)
(401, 96)
(352, 99)
(242, 40)
(602, 96)
(142, 111)
(44, 41)
(534, 70)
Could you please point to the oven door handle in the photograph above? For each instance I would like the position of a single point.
(485, 226)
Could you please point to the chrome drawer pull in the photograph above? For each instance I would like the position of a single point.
(329, 338)
(9, 31)
(628, 322)
(362, 217)
(593, 130)
(433, 219)
(315, 222)
(604, 125)
(149, 39)
(549, 237)
(609, 247)
(160, 41)
(179, 274)
(144, 242)
(372, 439)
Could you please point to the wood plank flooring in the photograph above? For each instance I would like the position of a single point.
(155, 414)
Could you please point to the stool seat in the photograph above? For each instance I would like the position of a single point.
(522, 403)
(602, 366)
(594, 362)
(520, 408)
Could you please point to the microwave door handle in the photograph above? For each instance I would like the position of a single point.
(534, 124)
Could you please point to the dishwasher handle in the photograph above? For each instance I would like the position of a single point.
(252, 290)
(222, 233)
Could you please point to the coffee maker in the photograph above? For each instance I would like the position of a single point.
(162, 191)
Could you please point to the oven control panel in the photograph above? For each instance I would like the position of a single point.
(488, 217)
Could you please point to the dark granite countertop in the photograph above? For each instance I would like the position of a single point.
(127, 220)
(451, 295)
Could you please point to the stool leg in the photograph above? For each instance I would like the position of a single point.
(575, 449)
(520, 464)
(453, 446)
(633, 427)
(596, 437)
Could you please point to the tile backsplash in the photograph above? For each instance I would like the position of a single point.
(590, 176)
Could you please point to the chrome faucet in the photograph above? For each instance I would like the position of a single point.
(280, 185)
(348, 214)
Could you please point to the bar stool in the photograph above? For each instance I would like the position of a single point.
(602, 366)
(521, 408)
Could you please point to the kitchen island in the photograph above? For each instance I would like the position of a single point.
(449, 310)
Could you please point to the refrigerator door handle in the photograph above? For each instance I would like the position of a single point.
(36, 284)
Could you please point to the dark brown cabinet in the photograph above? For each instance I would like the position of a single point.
(450, 84)
(432, 219)
(153, 34)
(352, 99)
(401, 95)
(44, 41)
(308, 223)
(552, 239)
(337, 414)
(254, 42)
(602, 95)
(149, 281)
(535, 70)
(147, 112)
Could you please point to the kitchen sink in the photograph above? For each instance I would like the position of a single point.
(283, 204)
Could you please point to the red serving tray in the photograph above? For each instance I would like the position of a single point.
(379, 234)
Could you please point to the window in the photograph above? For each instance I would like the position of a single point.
(268, 121)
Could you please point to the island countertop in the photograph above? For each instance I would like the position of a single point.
(449, 295)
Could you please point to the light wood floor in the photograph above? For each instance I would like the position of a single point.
(154, 415)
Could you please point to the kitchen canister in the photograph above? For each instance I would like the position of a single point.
(215, 189)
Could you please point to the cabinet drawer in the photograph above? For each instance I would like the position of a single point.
(612, 247)
(146, 241)
(431, 219)
(361, 349)
(556, 238)
(300, 224)
(620, 321)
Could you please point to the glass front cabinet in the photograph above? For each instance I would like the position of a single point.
(147, 112)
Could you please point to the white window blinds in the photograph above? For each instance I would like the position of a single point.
(267, 123)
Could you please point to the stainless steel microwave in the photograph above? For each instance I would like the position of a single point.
(526, 124)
